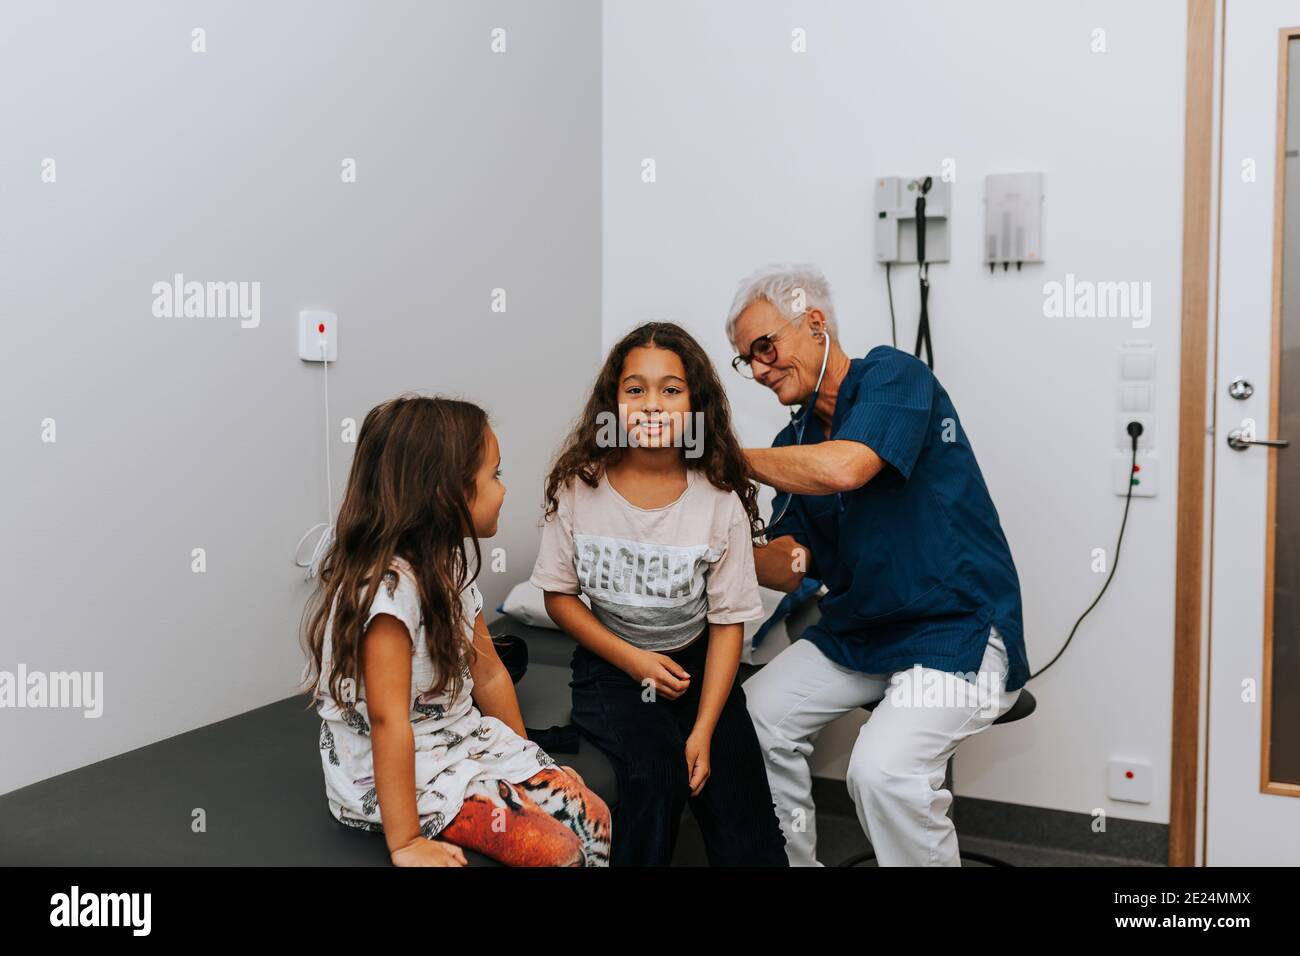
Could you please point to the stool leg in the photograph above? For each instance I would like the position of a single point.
(983, 858)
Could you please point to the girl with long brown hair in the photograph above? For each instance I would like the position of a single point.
(650, 514)
(421, 735)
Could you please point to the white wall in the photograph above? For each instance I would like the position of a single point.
(475, 171)
(766, 155)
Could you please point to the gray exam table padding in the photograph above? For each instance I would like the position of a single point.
(257, 777)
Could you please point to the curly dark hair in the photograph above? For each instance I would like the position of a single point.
(585, 458)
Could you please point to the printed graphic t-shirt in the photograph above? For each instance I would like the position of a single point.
(654, 576)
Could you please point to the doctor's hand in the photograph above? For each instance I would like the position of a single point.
(669, 678)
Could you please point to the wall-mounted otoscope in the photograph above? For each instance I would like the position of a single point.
(912, 225)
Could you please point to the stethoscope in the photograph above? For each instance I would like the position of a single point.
(799, 419)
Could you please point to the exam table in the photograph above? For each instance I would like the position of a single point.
(256, 777)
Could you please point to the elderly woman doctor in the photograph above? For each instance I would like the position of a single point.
(880, 498)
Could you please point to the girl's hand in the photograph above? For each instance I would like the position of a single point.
(574, 774)
(669, 678)
(697, 760)
(424, 852)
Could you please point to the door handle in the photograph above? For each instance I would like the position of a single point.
(1238, 440)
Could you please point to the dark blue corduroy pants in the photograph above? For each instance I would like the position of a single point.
(646, 742)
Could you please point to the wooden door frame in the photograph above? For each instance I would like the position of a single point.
(1194, 441)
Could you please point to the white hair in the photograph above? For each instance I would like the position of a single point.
(783, 286)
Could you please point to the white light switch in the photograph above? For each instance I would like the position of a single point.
(1135, 397)
(1137, 365)
(317, 330)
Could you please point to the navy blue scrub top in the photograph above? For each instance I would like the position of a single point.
(915, 562)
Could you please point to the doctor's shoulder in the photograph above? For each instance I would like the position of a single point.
(888, 361)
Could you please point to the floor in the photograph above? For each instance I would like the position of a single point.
(840, 837)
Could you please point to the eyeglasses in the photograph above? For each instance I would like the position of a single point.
(762, 348)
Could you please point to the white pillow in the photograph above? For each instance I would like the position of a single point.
(526, 604)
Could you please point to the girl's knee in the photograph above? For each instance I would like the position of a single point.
(545, 841)
(596, 809)
(572, 852)
(561, 794)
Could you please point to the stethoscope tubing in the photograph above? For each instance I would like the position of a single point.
(802, 418)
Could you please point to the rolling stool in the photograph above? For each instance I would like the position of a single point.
(1022, 708)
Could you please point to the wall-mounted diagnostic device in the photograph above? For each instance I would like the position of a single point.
(896, 219)
(1013, 219)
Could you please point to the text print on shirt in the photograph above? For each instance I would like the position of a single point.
(639, 572)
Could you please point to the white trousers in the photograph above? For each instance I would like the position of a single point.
(896, 772)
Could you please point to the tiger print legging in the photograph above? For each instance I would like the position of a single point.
(550, 819)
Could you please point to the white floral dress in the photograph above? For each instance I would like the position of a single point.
(455, 745)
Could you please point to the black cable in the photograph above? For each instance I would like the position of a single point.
(923, 274)
(923, 325)
(1134, 430)
(893, 327)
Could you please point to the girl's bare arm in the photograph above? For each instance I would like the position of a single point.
(494, 691)
(575, 619)
(720, 668)
(386, 669)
